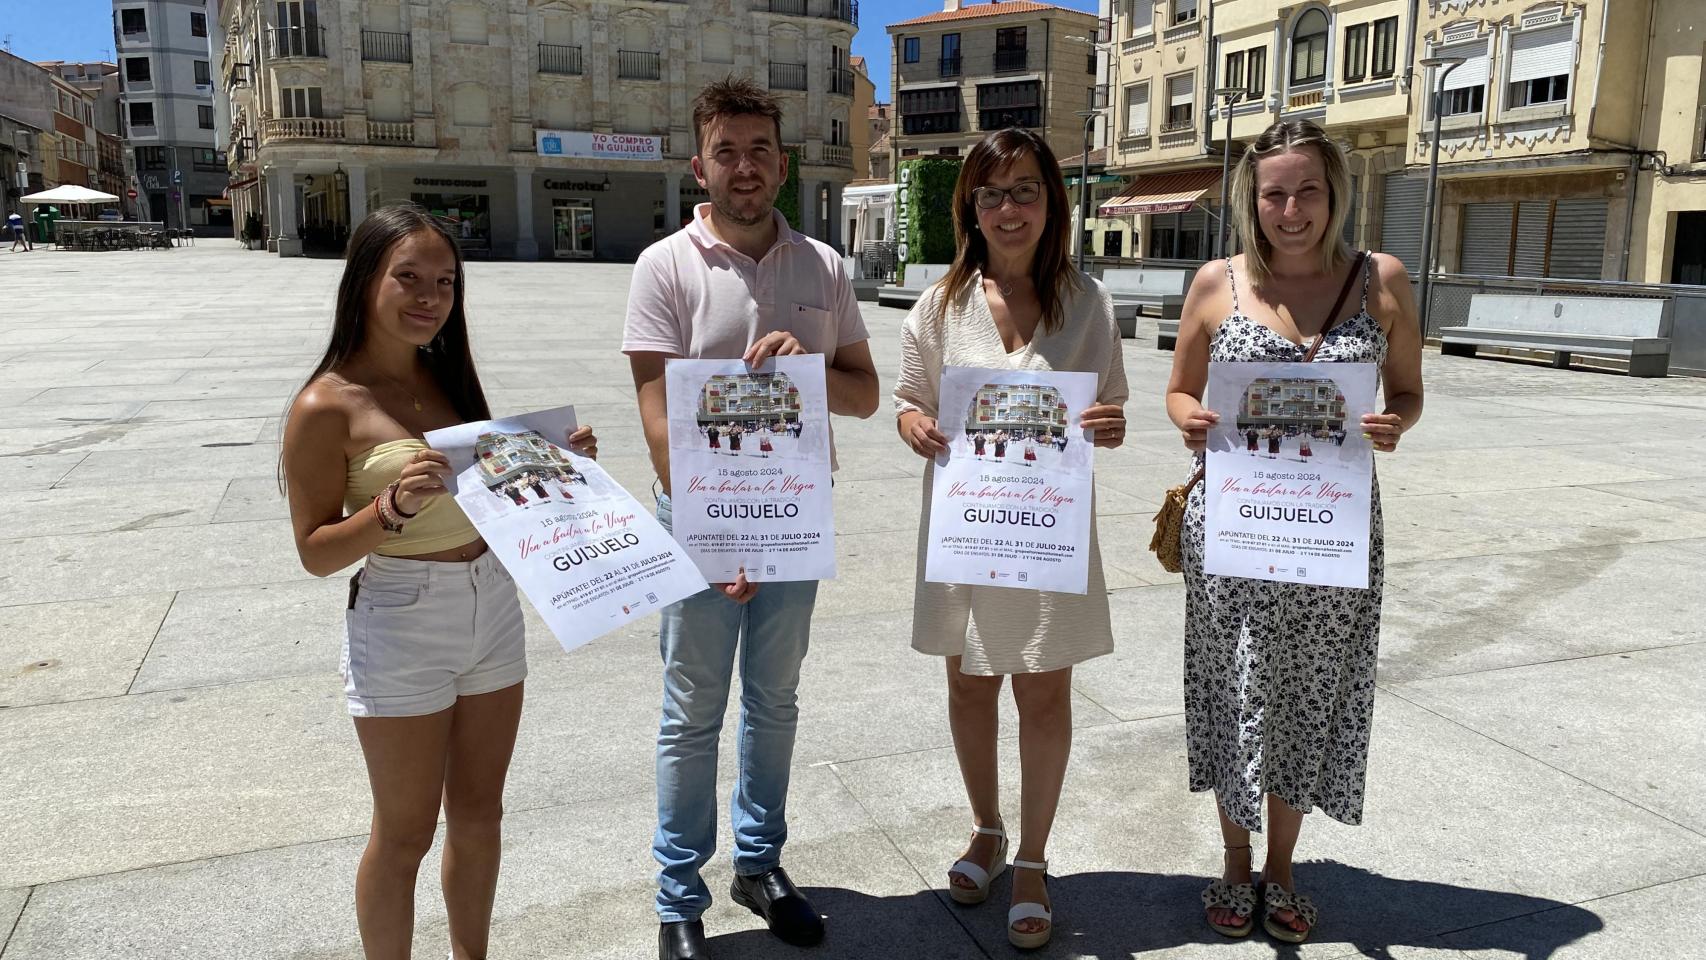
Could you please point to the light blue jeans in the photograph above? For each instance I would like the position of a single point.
(700, 637)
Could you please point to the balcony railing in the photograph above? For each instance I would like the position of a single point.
(841, 81)
(638, 65)
(1176, 126)
(288, 42)
(787, 76)
(846, 11)
(837, 155)
(383, 47)
(793, 8)
(560, 58)
(303, 128)
(949, 66)
(1012, 61)
(385, 131)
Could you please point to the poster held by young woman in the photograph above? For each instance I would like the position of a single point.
(584, 551)
(1289, 474)
(1011, 503)
(749, 467)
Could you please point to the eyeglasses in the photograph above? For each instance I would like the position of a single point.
(1023, 193)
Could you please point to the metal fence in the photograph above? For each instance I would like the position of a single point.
(877, 260)
(1452, 293)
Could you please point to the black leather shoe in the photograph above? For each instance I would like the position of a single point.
(682, 940)
(773, 896)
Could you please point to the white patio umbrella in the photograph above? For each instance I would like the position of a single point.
(70, 193)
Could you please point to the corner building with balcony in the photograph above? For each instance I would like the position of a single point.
(1347, 65)
(542, 128)
(966, 70)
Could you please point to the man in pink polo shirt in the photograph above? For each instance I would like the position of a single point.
(737, 282)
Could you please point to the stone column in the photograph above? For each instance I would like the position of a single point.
(808, 207)
(357, 196)
(671, 202)
(289, 242)
(836, 216)
(526, 244)
(269, 197)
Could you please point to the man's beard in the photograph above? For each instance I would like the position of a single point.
(725, 206)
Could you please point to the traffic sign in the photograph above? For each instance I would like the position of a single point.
(176, 196)
(177, 177)
(131, 194)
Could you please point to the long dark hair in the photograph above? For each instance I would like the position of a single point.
(448, 359)
(1052, 271)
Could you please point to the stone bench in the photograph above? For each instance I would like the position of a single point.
(915, 280)
(1152, 291)
(863, 289)
(1636, 330)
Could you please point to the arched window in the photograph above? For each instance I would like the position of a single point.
(1309, 48)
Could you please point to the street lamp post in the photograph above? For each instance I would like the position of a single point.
(1230, 96)
(1084, 184)
(1433, 63)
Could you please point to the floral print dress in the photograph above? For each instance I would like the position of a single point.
(1279, 677)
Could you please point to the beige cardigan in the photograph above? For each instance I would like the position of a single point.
(999, 630)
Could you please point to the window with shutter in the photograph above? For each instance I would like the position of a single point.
(1137, 110)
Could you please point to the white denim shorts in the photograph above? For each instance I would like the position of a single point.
(418, 634)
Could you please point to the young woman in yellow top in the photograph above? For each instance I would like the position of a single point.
(433, 656)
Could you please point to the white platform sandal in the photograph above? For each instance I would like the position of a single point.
(976, 874)
(1030, 911)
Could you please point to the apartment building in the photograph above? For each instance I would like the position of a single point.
(966, 70)
(114, 168)
(549, 129)
(864, 101)
(1668, 233)
(166, 75)
(880, 163)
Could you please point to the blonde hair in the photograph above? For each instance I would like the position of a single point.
(1285, 137)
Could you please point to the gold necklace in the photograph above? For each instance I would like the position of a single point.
(399, 385)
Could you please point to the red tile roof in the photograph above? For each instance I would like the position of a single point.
(996, 9)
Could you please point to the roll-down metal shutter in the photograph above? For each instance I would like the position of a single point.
(1578, 239)
(1532, 217)
(1486, 249)
(1401, 219)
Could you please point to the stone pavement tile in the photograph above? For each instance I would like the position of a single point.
(1605, 719)
(1125, 548)
(160, 348)
(100, 786)
(874, 575)
(1531, 432)
(37, 472)
(232, 634)
(12, 395)
(1445, 526)
(250, 371)
(167, 464)
(118, 367)
(11, 905)
(252, 498)
(1515, 609)
(107, 507)
(228, 408)
(79, 566)
(49, 375)
(546, 396)
(1453, 820)
(1632, 406)
(1685, 457)
(1661, 922)
(1684, 494)
(1143, 677)
(565, 891)
(75, 650)
(876, 506)
(122, 435)
(245, 389)
(71, 416)
(1428, 471)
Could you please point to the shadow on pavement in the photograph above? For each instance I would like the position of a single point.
(1114, 916)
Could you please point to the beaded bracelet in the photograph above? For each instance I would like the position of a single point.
(386, 508)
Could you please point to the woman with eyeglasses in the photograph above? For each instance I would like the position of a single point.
(1011, 299)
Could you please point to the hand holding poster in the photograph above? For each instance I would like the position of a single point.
(1289, 475)
(749, 467)
(584, 552)
(1011, 503)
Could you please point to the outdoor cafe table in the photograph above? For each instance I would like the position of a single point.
(107, 234)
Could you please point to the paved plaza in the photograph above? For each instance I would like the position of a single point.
(180, 779)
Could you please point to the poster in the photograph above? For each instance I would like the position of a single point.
(1011, 502)
(749, 467)
(583, 551)
(1289, 474)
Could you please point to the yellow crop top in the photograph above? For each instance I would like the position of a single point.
(440, 525)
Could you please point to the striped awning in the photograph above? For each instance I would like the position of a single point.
(1163, 193)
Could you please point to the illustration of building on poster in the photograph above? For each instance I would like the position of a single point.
(1289, 475)
(1010, 503)
(582, 550)
(749, 467)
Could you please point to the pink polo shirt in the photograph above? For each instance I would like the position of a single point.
(696, 297)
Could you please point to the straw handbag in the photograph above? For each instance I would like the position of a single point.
(1170, 520)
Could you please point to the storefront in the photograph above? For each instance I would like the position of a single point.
(1176, 208)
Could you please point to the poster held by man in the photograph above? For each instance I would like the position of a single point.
(582, 550)
(1011, 501)
(750, 467)
(1289, 472)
